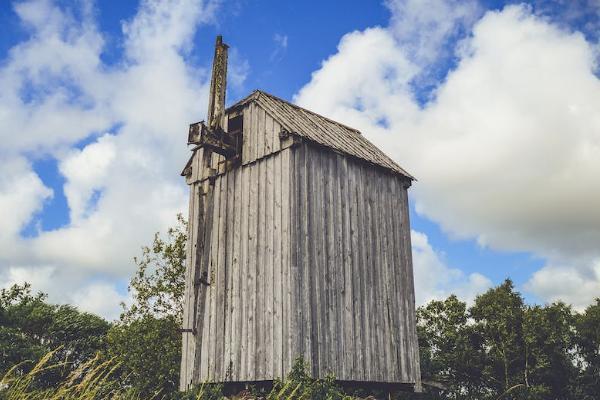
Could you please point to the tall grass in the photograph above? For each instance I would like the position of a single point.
(98, 378)
(93, 379)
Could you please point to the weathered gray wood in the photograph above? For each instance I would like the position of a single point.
(247, 136)
(244, 303)
(350, 350)
(308, 254)
(390, 372)
(308, 323)
(330, 273)
(288, 329)
(228, 270)
(276, 270)
(252, 272)
(363, 267)
(236, 314)
(260, 132)
(338, 259)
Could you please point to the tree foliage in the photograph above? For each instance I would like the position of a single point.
(146, 341)
(159, 282)
(502, 348)
(149, 350)
(30, 328)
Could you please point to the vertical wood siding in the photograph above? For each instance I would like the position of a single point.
(261, 134)
(352, 270)
(307, 254)
(240, 333)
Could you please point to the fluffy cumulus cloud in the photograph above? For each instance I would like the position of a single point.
(122, 184)
(434, 280)
(507, 151)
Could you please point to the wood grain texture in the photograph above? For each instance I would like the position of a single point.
(308, 254)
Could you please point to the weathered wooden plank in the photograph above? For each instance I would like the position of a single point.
(361, 362)
(389, 303)
(207, 292)
(312, 255)
(376, 277)
(380, 268)
(236, 332)
(338, 259)
(372, 282)
(259, 313)
(252, 272)
(414, 355)
(315, 266)
(349, 349)
(247, 136)
(297, 342)
(367, 260)
(276, 140)
(277, 270)
(287, 210)
(215, 287)
(307, 287)
(258, 135)
(330, 273)
(261, 132)
(267, 280)
(244, 271)
(229, 294)
(221, 288)
(365, 182)
(267, 132)
(400, 280)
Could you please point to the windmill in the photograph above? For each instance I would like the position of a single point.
(298, 246)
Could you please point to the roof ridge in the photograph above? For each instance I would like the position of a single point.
(320, 129)
(308, 111)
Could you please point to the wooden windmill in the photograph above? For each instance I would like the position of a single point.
(299, 246)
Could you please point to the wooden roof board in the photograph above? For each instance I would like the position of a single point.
(322, 130)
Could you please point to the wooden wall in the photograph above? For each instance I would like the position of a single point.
(242, 327)
(308, 255)
(261, 134)
(352, 269)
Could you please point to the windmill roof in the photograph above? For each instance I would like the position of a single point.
(322, 130)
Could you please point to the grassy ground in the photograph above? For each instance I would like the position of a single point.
(98, 379)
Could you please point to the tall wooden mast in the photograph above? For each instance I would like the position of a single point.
(218, 84)
(210, 137)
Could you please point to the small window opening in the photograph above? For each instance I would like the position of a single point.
(235, 127)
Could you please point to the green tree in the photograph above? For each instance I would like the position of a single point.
(149, 349)
(549, 338)
(588, 343)
(146, 340)
(159, 282)
(30, 328)
(449, 349)
(498, 315)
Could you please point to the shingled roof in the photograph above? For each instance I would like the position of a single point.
(322, 130)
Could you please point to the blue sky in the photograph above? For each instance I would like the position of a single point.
(480, 100)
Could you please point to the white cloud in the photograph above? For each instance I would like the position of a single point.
(122, 186)
(576, 285)
(434, 280)
(508, 150)
(101, 299)
(424, 27)
(22, 194)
